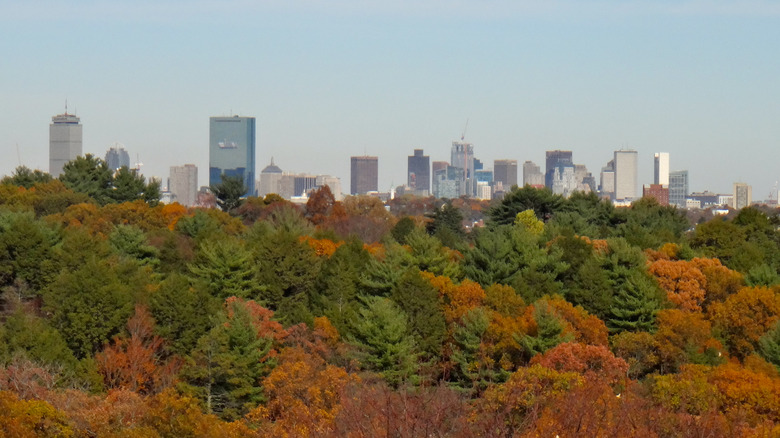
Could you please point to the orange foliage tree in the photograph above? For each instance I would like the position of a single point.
(594, 362)
(137, 362)
(744, 317)
(683, 282)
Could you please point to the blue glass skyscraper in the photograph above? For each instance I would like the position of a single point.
(232, 150)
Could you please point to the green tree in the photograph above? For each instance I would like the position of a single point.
(429, 255)
(402, 229)
(419, 300)
(447, 225)
(634, 305)
(548, 331)
(338, 282)
(542, 201)
(36, 340)
(89, 175)
(229, 192)
(383, 342)
(228, 364)
(129, 185)
(226, 269)
(24, 177)
(89, 305)
(130, 241)
(769, 346)
(473, 369)
(183, 313)
(28, 259)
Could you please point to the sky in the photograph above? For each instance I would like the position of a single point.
(326, 80)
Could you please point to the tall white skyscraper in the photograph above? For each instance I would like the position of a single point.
(64, 141)
(626, 175)
(183, 184)
(661, 174)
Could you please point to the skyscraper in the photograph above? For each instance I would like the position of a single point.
(183, 184)
(625, 175)
(117, 156)
(65, 141)
(607, 187)
(532, 174)
(555, 159)
(678, 188)
(661, 174)
(364, 175)
(232, 150)
(419, 173)
(462, 157)
(743, 195)
(269, 179)
(505, 172)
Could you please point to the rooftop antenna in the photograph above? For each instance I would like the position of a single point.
(138, 163)
(66, 106)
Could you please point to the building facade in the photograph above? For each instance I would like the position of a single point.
(532, 175)
(419, 173)
(678, 188)
(462, 157)
(65, 141)
(117, 157)
(661, 168)
(183, 184)
(505, 172)
(232, 150)
(626, 178)
(743, 195)
(659, 192)
(269, 179)
(364, 175)
(555, 159)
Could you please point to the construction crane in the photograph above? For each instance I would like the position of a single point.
(463, 134)
(773, 195)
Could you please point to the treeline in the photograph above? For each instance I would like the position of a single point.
(569, 317)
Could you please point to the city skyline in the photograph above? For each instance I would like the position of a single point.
(695, 79)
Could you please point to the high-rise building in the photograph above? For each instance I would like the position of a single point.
(462, 157)
(333, 183)
(183, 184)
(505, 172)
(364, 175)
(564, 182)
(438, 165)
(532, 175)
(607, 186)
(743, 195)
(678, 188)
(117, 156)
(659, 192)
(419, 173)
(625, 175)
(232, 150)
(555, 159)
(661, 168)
(65, 141)
(269, 179)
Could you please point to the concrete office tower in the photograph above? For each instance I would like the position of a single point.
(626, 175)
(183, 184)
(364, 175)
(232, 150)
(419, 173)
(532, 175)
(555, 159)
(65, 141)
(607, 187)
(661, 173)
(743, 196)
(269, 179)
(333, 183)
(462, 157)
(117, 156)
(505, 172)
(678, 188)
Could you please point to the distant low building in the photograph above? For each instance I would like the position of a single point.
(658, 192)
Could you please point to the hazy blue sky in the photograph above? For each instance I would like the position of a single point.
(330, 79)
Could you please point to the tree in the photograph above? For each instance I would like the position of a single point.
(542, 201)
(28, 258)
(546, 333)
(683, 282)
(594, 362)
(447, 225)
(136, 362)
(37, 340)
(129, 185)
(320, 205)
(229, 192)
(473, 368)
(89, 305)
(384, 345)
(130, 241)
(403, 228)
(226, 269)
(338, 282)
(90, 175)
(769, 345)
(227, 366)
(744, 317)
(634, 305)
(419, 301)
(24, 177)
